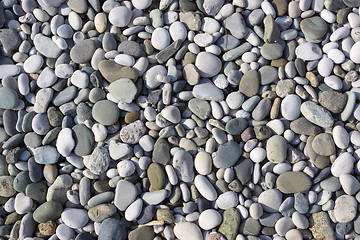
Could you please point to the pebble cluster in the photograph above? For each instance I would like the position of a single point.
(179, 119)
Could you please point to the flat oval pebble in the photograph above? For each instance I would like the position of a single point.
(293, 182)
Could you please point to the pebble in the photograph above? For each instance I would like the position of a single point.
(345, 208)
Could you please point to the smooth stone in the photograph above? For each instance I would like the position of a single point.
(276, 149)
(342, 164)
(301, 203)
(271, 51)
(160, 38)
(64, 96)
(227, 200)
(205, 188)
(147, 214)
(161, 153)
(311, 111)
(208, 65)
(293, 182)
(269, 219)
(250, 227)
(152, 75)
(46, 46)
(8, 69)
(8, 98)
(209, 219)
(84, 140)
(303, 126)
(9, 39)
(142, 233)
(349, 184)
(200, 108)
(283, 225)
(101, 212)
(250, 83)
(314, 28)
(46, 155)
(270, 200)
(183, 165)
(21, 180)
(230, 223)
(341, 137)
(236, 25)
(33, 64)
(243, 170)
(206, 90)
(172, 114)
(333, 101)
(308, 51)
(124, 19)
(65, 142)
(323, 144)
(293, 112)
(354, 53)
(154, 198)
(105, 112)
(112, 228)
(268, 74)
(75, 218)
(212, 7)
(46, 78)
(82, 51)
(110, 70)
(187, 230)
(47, 211)
(331, 184)
(236, 126)
(156, 175)
(272, 31)
(37, 191)
(345, 208)
(125, 194)
(227, 154)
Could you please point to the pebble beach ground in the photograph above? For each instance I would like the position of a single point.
(179, 119)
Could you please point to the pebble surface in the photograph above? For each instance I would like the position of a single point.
(179, 119)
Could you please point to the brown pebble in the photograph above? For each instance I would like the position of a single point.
(281, 62)
(48, 228)
(314, 81)
(275, 109)
(338, 71)
(131, 117)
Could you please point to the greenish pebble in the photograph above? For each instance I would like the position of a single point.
(21, 181)
(317, 114)
(200, 108)
(262, 132)
(47, 211)
(230, 224)
(96, 94)
(161, 153)
(236, 126)
(333, 101)
(250, 103)
(51, 135)
(99, 160)
(123, 89)
(272, 31)
(243, 170)
(314, 28)
(250, 227)
(271, 51)
(8, 98)
(142, 233)
(84, 140)
(105, 112)
(156, 175)
(250, 83)
(102, 186)
(37, 191)
(293, 182)
(221, 186)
